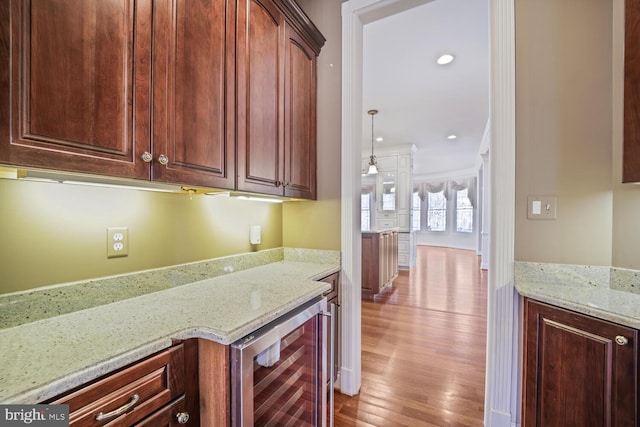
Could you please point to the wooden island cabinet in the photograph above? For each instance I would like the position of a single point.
(379, 261)
(578, 370)
(155, 90)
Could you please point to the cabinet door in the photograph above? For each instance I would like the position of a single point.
(300, 118)
(67, 96)
(631, 164)
(193, 92)
(370, 264)
(260, 97)
(575, 372)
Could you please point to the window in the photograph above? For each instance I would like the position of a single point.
(415, 211)
(464, 212)
(436, 212)
(365, 212)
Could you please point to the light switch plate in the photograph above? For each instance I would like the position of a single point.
(541, 207)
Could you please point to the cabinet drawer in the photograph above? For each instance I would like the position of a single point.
(155, 381)
(387, 223)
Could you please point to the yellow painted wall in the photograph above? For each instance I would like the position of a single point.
(626, 197)
(54, 233)
(316, 224)
(564, 129)
(312, 225)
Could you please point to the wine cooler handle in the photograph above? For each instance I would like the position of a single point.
(332, 362)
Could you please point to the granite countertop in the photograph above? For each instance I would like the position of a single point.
(603, 292)
(46, 357)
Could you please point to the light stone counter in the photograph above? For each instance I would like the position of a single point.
(41, 359)
(603, 292)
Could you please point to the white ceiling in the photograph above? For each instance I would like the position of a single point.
(419, 101)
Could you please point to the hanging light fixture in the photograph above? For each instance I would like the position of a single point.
(373, 167)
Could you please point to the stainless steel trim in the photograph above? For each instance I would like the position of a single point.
(244, 350)
(332, 361)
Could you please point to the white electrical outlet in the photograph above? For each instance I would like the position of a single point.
(117, 242)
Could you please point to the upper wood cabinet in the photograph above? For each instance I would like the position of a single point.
(300, 118)
(276, 86)
(74, 71)
(260, 88)
(155, 89)
(82, 97)
(631, 162)
(193, 92)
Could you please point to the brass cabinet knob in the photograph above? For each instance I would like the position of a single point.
(182, 417)
(146, 157)
(163, 160)
(620, 340)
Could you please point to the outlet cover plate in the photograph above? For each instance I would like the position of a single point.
(117, 242)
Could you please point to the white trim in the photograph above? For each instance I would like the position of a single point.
(351, 244)
(355, 13)
(501, 396)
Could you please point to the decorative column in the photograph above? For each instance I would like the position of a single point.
(502, 382)
(351, 240)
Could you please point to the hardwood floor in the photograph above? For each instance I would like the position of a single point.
(423, 347)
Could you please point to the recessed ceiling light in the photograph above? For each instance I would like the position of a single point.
(452, 136)
(445, 59)
(379, 139)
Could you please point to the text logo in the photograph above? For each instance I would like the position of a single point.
(34, 415)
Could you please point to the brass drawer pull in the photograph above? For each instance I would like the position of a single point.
(102, 416)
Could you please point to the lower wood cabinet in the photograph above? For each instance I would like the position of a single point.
(379, 261)
(153, 385)
(186, 384)
(578, 370)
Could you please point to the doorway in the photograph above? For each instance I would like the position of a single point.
(502, 385)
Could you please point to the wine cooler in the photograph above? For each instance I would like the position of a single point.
(280, 374)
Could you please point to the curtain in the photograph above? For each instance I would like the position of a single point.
(448, 188)
(368, 188)
(429, 187)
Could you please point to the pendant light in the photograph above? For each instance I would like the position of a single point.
(373, 166)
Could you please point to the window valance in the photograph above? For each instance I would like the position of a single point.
(448, 187)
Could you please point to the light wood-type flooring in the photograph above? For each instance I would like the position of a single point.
(423, 347)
